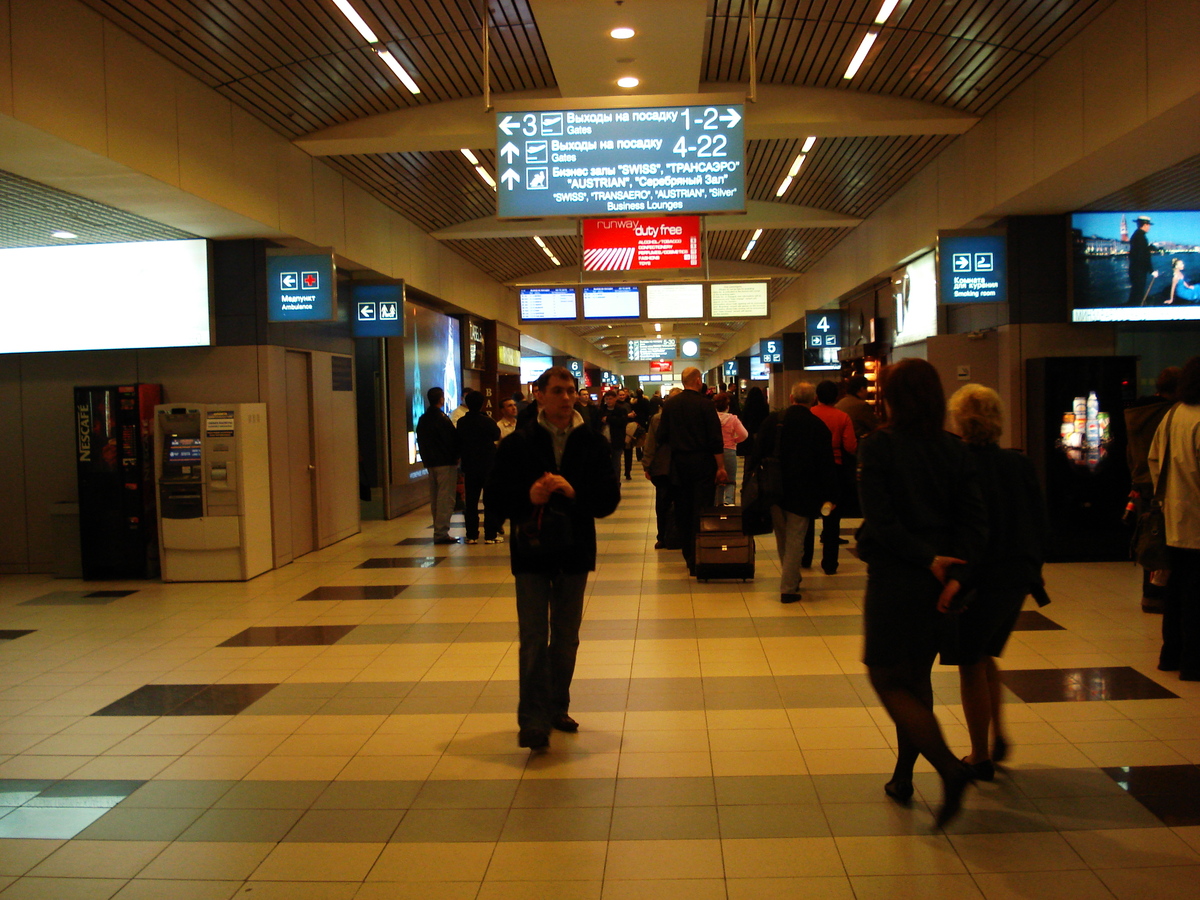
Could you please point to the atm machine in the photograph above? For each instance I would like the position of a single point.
(214, 491)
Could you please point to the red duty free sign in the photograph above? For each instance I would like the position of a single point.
(618, 245)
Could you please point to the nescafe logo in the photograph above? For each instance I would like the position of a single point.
(83, 422)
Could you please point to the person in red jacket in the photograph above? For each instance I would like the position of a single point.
(845, 445)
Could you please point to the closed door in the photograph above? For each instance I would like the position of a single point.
(301, 461)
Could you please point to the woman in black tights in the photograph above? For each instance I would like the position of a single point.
(923, 519)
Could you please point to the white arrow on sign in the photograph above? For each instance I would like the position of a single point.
(508, 125)
(731, 117)
(509, 178)
(509, 151)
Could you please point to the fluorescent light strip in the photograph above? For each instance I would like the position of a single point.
(783, 188)
(356, 20)
(471, 158)
(889, 6)
(860, 54)
(398, 70)
(808, 143)
(486, 176)
(537, 240)
(753, 241)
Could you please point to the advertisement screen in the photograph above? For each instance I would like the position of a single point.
(1135, 266)
(620, 302)
(648, 243)
(675, 301)
(914, 289)
(547, 304)
(432, 357)
(104, 296)
(759, 370)
(532, 367)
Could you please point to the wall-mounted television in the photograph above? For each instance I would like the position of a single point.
(622, 301)
(548, 304)
(1133, 266)
(759, 370)
(746, 300)
(432, 358)
(532, 367)
(914, 290)
(105, 296)
(675, 301)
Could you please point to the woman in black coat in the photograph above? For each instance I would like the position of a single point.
(923, 520)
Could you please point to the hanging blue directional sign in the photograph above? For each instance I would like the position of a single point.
(601, 162)
(378, 310)
(301, 287)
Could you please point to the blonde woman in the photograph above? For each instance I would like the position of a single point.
(1009, 568)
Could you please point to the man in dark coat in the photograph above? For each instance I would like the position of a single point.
(555, 468)
(477, 437)
(691, 428)
(1139, 261)
(437, 441)
(805, 453)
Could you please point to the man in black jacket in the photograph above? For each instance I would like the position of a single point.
(477, 437)
(805, 455)
(557, 470)
(437, 442)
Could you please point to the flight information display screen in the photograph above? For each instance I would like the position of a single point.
(547, 304)
(620, 302)
(739, 301)
(675, 301)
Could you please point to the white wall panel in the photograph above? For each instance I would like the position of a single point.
(143, 131)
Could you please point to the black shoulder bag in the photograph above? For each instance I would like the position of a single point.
(1150, 537)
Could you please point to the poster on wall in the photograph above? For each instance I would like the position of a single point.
(914, 290)
(432, 358)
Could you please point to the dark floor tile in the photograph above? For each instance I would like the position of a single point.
(360, 690)
(742, 700)
(152, 700)
(369, 795)
(1170, 792)
(355, 592)
(258, 636)
(109, 595)
(11, 634)
(737, 627)
(177, 795)
(608, 630)
(999, 821)
(426, 689)
(284, 706)
(1032, 620)
(271, 795)
(547, 793)
(16, 791)
(68, 598)
(420, 706)
(1094, 813)
(307, 690)
(1040, 783)
(81, 793)
(1108, 683)
(249, 825)
(488, 794)
(48, 823)
(489, 632)
(450, 825)
(759, 790)
(690, 791)
(784, 626)
(665, 823)
(342, 825)
(772, 821)
(599, 703)
(818, 691)
(359, 706)
(404, 562)
(878, 818)
(288, 636)
(123, 824)
(222, 700)
(837, 625)
(849, 788)
(375, 634)
(666, 629)
(580, 824)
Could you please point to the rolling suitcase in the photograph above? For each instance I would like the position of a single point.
(721, 520)
(724, 555)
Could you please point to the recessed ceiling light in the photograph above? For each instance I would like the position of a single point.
(628, 82)
(889, 6)
(622, 34)
(860, 54)
(399, 71)
(64, 235)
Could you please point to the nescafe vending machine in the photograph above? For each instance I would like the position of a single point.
(114, 443)
(1076, 440)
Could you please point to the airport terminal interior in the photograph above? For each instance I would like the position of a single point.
(241, 667)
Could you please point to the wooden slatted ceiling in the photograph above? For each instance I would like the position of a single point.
(1176, 187)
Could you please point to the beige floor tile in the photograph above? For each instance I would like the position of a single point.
(758, 762)
(155, 745)
(132, 768)
(238, 744)
(298, 768)
(682, 741)
(850, 762)
(345, 745)
(550, 861)
(899, 855)
(418, 862)
(750, 739)
(665, 765)
(99, 859)
(70, 745)
(215, 768)
(811, 888)
(867, 737)
(318, 862)
(1151, 883)
(1074, 885)
(781, 858)
(30, 888)
(318, 724)
(196, 860)
(734, 719)
(482, 766)
(19, 855)
(675, 889)
(407, 890)
(1132, 753)
(667, 720)
(150, 889)
(1029, 852)
(834, 717)
(915, 887)
(655, 860)
(52, 767)
(292, 890)
(1134, 847)
(266, 724)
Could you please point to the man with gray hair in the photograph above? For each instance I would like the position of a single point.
(804, 447)
(691, 428)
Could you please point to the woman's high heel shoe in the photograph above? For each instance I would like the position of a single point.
(899, 790)
(954, 786)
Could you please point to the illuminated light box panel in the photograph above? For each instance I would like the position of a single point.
(618, 302)
(622, 245)
(549, 305)
(746, 300)
(651, 348)
(674, 301)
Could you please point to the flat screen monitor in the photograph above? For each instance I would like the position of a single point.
(739, 301)
(548, 304)
(619, 302)
(105, 296)
(914, 290)
(432, 358)
(675, 301)
(759, 370)
(1132, 266)
(532, 367)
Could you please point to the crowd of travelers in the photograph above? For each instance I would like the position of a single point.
(953, 527)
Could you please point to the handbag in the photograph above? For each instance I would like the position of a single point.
(763, 488)
(546, 533)
(1150, 537)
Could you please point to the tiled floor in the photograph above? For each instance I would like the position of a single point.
(344, 728)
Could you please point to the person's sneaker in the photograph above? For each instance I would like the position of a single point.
(474, 540)
(494, 540)
(533, 739)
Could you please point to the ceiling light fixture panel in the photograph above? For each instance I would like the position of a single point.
(860, 54)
